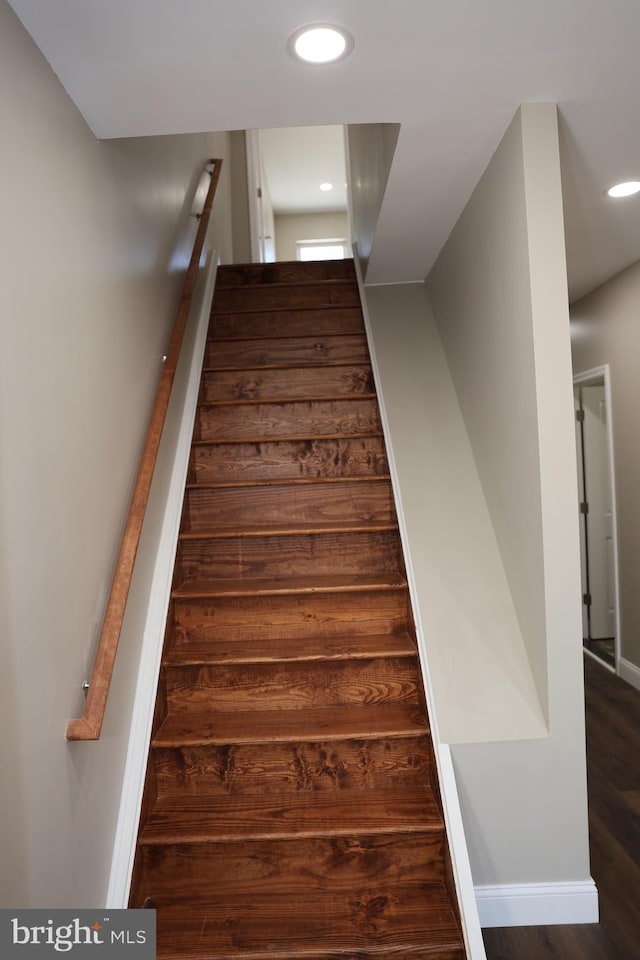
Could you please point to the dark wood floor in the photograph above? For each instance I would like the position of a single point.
(613, 760)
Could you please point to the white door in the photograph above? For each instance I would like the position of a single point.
(261, 220)
(268, 222)
(599, 516)
(584, 570)
(597, 544)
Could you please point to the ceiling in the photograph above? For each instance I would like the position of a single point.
(451, 72)
(297, 160)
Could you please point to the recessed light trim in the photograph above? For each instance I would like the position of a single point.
(325, 187)
(320, 43)
(626, 189)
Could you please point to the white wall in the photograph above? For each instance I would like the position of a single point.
(94, 237)
(479, 671)
(480, 292)
(604, 329)
(523, 801)
(292, 227)
(370, 150)
(534, 820)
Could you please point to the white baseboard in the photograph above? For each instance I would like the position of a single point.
(459, 856)
(537, 904)
(158, 604)
(629, 672)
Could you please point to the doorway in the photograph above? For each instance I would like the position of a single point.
(596, 490)
(298, 193)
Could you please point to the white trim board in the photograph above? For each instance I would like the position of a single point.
(448, 788)
(537, 904)
(471, 926)
(594, 375)
(629, 672)
(158, 604)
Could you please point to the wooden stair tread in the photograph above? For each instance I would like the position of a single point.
(285, 460)
(298, 277)
(309, 725)
(202, 589)
(291, 810)
(267, 353)
(258, 505)
(383, 921)
(276, 324)
(335, 813)
(283, 650)
(320, 362)
(287, 367)
(280, 274)
(309, 293)
(293, 481)
(250, 338)
(284, 284)
(281, 400)
(287, 401)
(287, 438)
(291, 529)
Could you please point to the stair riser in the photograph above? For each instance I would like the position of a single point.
(285, 352)
(227, 619)
(231, 558)
(288, 460)
(291, 686)
(290, 323)
(252, 274)
(319, 381)
(344, 865)
(167, 930)
(343, 418)
(381, 922)
(289, 768)
(290, 297)
(211, 509)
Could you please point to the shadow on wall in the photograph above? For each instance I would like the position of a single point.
(370, 150)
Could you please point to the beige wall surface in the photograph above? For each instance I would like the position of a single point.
(478, 668)
(370, 150)
(292, 227)
(604, 329)
(94, 237)
(480, 292)
(523, 801)
(240, 197)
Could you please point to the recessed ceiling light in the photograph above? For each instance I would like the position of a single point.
(320, 43)
(326, 186)
(626, 189)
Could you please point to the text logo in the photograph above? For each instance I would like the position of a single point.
(123, 934)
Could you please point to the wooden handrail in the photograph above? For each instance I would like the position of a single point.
(89, 725)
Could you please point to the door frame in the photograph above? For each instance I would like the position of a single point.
(254, 189)
(261, 222)
(586, 378)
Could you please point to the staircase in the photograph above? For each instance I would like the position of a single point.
(291, 806)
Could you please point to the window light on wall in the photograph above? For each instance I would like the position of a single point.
(334, 249)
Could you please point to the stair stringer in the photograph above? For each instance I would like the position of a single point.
(189, 369)
(460, 863)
